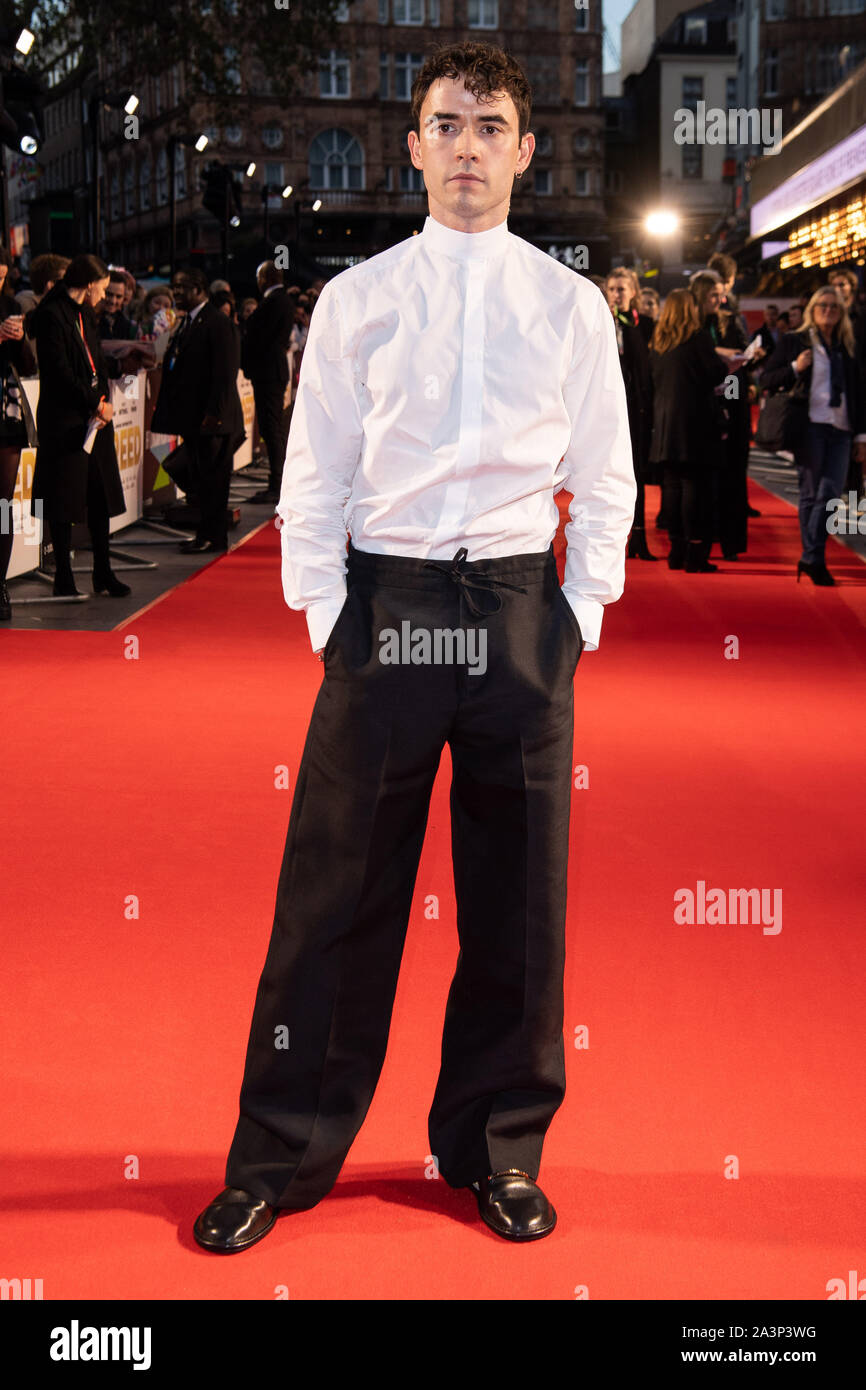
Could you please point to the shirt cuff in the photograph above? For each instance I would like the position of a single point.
(589, 614)
(321, 617)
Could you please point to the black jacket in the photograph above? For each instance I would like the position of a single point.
(688, 418)
(67, 400)
(266, 339)
(779, 374)
(116, 326)
(13, 353)
(200, 377)
(637, 376)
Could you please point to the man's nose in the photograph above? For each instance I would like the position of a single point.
(466, 145)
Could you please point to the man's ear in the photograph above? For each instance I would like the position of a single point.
(414, 143)
(527, 150)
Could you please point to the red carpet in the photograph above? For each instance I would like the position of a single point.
(124, 1035)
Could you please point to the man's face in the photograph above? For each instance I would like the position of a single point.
(114, 296)
(186, 296)
(618, 293)
(470, 152)
(772, 314)
(795, 317)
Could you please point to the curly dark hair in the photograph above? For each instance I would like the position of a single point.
(486, 71)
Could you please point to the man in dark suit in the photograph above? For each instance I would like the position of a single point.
(265, 361)
(199, 400)
(770, 331)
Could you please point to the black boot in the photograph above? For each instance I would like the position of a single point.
(677, 556)
(5, 605)
(696, 559)
(637, 546)
(108, 583)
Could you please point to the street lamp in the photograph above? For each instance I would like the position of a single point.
(662, 223)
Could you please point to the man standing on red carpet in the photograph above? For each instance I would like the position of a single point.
(450, 387)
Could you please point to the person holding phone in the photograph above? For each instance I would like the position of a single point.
(72, 485)
(17, 429)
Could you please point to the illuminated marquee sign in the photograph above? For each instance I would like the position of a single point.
(830, 173)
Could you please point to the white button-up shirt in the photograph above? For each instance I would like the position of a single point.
(450, 387)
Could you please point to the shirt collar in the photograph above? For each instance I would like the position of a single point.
(465, 246)
(193, 312)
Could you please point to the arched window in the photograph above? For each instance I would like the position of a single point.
(336, 161)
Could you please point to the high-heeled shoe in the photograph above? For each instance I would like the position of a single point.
(819, 574)
(111, 585)
(5, 605)
(637, 546)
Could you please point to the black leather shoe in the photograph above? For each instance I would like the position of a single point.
(752, 511)
(201, 548)
(266, 495)
(110, 584)
(233, 1221)
(5, 605)
(512, 1205)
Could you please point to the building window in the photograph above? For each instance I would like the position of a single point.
(771, 72)
(543, 182)
(115, 195)
(234, 134)
(334, 74)
(342, 15)
(581, 16)
(408, 12)
(730, 92)
(544, 143)
(695, 30)
(384, 77)
(693, 91)
(272, 135)
(581, 183)
(433, 13)
(162, 178)
(774, 9)
(582, 141)
(128, 191)
(483, 14)
(275, 175)
(336, 161)
(845, 6)
(411, 179)
(613, 181)
(180, 172)
(406, 69)
(383, 11)
(693, 161)
(581, 83)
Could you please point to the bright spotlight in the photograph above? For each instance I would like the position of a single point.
(662, 223)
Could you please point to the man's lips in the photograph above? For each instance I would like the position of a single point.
(465, 178)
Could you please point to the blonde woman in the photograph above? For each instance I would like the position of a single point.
(821, 357)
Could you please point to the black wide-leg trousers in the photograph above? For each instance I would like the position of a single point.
(323, 1008)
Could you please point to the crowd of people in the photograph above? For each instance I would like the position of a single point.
(81, 324)
(692, 372)
(691, 369)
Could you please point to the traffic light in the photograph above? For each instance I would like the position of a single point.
(21, 114)
(221, 195)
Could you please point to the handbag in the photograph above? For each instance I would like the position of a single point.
(783, 420)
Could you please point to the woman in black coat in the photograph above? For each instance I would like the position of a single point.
(16, 422)
(822, 356)
(731, 494)
(70, 485)
(687, 428)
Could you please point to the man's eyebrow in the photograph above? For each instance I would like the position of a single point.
(454, 116)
